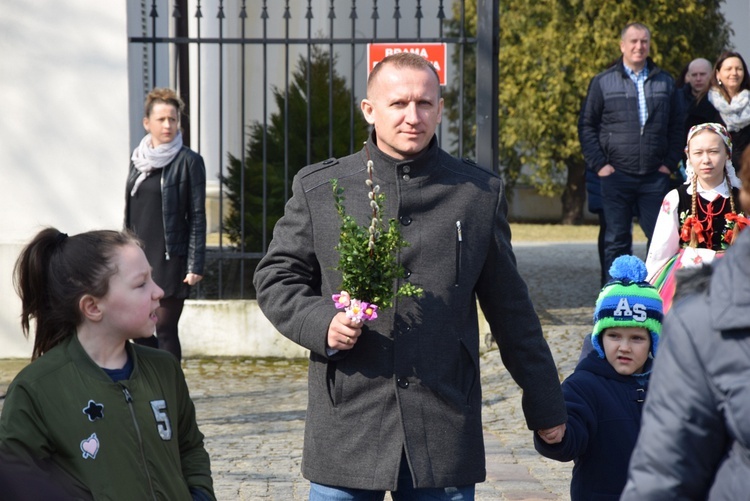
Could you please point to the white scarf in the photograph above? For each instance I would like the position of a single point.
(147, 159)
(736, 115)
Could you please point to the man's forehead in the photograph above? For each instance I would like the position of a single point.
(635, 33)
(400, 79)
(700, 67)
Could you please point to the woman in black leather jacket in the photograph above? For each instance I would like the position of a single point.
(165, 207)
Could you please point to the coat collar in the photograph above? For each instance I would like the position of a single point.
(389, 170)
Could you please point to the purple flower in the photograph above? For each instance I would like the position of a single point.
(369, 311)
(342, 300)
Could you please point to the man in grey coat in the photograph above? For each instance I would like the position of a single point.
(395, 404)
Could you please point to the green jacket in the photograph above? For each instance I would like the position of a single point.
(134, 439)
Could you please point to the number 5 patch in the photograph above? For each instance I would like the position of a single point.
(159, 407)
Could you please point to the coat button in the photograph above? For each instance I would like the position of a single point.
(407, 169)
(405, 220)
(406, 177)
(402, 382)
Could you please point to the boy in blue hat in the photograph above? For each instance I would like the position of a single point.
(604, 396)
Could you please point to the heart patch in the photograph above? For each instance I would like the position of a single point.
(90, 447)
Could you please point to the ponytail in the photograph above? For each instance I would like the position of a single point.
(54, 271)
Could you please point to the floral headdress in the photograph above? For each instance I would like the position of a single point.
(724, 135)
(368, 257)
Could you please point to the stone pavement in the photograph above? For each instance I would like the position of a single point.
(253, 411)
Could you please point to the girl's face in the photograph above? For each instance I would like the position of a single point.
(731, 74)
(163, 123)
(626, 348)
(129, 307)
(708, 156)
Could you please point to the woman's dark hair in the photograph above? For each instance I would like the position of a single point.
(55, 271)
(715, 81)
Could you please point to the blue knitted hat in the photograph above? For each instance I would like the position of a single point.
(628, 301)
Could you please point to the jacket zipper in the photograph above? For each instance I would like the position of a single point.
(459, 239)
(129, 400)
(163, 215)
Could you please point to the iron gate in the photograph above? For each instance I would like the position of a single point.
(232, 61)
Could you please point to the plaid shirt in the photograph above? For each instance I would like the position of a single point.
(639, 79)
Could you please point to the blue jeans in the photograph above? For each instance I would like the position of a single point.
(404, 492)
(320, 492)
(622, 195)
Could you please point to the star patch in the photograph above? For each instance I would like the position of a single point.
(94, 411)
(90, 446)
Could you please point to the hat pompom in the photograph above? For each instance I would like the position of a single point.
(628, 268)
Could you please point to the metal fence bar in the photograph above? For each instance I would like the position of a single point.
(331, 17)
(304, 41)
(243, 21)
(198, 17)
(309, 78)
(488, 50)
(220, 17)
(264, 20)
(287, 17)
(461, 54)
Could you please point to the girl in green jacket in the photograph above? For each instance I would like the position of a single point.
(93, 415)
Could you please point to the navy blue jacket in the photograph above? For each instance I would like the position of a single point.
(609, 126)
(604, 417)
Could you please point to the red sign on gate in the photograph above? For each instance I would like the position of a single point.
(435, 53)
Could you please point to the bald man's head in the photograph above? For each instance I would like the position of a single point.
(699, 75)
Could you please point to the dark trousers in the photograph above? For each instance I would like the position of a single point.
(166, 337)
(604, 272)
(622, 195)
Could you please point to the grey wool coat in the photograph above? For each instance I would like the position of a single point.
(695, 432)
(411, 383)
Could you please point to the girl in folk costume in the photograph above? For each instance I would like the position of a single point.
(699, 219)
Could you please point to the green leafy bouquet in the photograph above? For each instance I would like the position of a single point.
(368, 257)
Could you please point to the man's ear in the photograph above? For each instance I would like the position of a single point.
(89, 306)
(368, 110)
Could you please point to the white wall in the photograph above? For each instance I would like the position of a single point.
(64, 128)
(737, 12)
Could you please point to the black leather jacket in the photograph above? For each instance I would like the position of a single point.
(183, 190)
